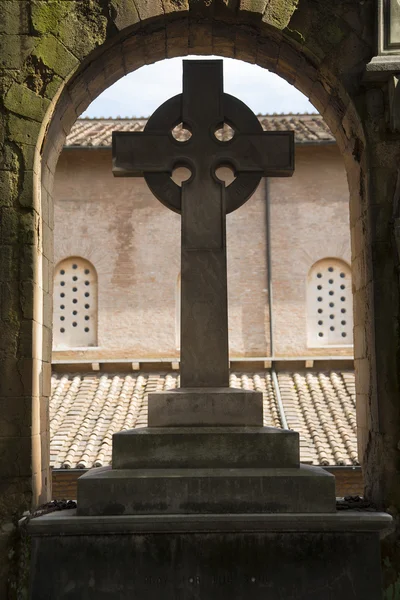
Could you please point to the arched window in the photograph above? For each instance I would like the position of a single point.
(329, 304)
(75, 304)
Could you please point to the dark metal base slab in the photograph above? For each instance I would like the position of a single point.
(205, 447)
(206, 565)
(105, 491)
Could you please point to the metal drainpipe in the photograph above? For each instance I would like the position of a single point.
(275, 383)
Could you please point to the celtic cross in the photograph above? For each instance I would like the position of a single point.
(203, 200)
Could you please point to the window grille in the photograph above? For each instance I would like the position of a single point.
(75, 304)
(330, 304)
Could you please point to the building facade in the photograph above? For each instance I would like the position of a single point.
(117, 256)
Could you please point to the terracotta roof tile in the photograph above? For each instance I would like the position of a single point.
(87, 409)
(96, 133)
(323, 412)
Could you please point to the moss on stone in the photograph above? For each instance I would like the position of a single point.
(332, 33)
(23, 101)
(9, 158)
(278, 13)
(47, 16)
(80, 26)
(14, 50)
(22, 130)
(8, 188)
(84, 29)
(9, 225)
(14, 17)
(55, 55)
(27, 228)
(53, 86)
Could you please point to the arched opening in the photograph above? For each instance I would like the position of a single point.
(128, 53)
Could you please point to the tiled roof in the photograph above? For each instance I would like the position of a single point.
(86, 409)
(96, 133)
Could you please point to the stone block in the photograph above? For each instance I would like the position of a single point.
(23, 131)
(174, 8)
(205, 407)
(224, 38)
(124, 13)
(177, 41)
(253, 6)
(278, 14)
(8, 188)
(200, 38)
(105, 491)
(290, 63)
(267, 53)
(205, 447)
(23, 101)
(134, 54)
(245, 46)
(15, 456)
(148, 9)
(15, 416)
(14, 17)
(14, 50)
(212, 557)
(155, 46)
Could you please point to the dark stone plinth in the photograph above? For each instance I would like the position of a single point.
(105, 491)
(203, 406)
(210, 558)
(205, 447)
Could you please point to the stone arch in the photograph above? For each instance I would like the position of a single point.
(256, 39)
(68, 55)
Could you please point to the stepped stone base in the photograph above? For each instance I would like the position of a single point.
(274, 557)
(205, 447)
(105, 491)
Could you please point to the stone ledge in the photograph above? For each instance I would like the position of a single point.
(381, 68)
(67, 522)
(205, 447)
(105, 491)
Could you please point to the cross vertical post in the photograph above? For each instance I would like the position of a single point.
(204, 397)
(204, 303)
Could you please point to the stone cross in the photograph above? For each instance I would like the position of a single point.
(203, 200)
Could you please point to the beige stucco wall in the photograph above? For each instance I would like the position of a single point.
(309, 222)
(133, 242)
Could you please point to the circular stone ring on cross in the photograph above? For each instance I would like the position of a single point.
(239, 117)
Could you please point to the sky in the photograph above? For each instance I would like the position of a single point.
(140, 93)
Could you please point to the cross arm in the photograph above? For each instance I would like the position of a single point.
(136, 153)
(269, 153)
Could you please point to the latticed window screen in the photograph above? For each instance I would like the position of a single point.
(75, 304)
(329, 304)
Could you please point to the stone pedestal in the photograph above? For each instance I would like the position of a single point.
(206, 470)
(207, 557)
(206, 513)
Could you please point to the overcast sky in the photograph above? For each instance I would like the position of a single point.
(140, 93)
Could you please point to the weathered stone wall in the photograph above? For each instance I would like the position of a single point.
(56, 56)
